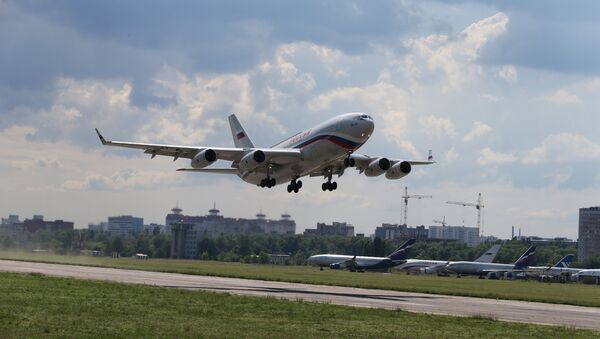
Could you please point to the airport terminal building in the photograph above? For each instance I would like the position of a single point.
(589, 233)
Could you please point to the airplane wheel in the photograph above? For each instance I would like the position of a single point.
(352, 162)
(289, 188)
(272, 182)
(334, 186)
(296, 189)
(299, 184)
(324, 187)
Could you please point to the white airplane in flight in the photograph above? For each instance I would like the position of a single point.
(324, 150)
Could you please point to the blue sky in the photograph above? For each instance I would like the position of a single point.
(505, 93)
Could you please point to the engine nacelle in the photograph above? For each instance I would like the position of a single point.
(204, 158)
(252, 160)
(377, 167)
(399, 170)
(336, 266)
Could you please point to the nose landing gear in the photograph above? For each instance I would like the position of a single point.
(294, 186)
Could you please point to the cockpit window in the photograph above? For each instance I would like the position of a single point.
(365, 117)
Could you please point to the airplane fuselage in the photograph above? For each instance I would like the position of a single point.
(333, 139)
(477, 268)
(362, 262)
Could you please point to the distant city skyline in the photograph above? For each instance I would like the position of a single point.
(504, 93)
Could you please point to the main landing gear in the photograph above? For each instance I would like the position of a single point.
(267, 182)
(294, 186)
(329, 186)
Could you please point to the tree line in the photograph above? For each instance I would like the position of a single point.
(255, 248)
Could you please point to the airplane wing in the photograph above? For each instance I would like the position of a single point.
(361, 163)
(275, 156)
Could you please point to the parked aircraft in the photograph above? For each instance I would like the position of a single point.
(560, 269)
(491, 269)
(362, 263)
(325, 150)
(438, 266)
(590, 273)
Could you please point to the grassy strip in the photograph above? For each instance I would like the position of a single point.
(573, 294)
(34, 305)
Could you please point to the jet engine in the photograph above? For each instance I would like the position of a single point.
(399, 170)
(377, 167)
(252, 160)
(336, 266)
(204, 158)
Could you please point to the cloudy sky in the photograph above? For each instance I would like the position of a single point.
(506, 94)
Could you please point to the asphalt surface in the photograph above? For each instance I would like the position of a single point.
(506, 310)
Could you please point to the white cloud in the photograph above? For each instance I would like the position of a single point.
(509, 74)
(488, 157)
(479, 129)
(489, 97)
(438, 125)
(455, 56)
(563, 147)
(450, 155)
(563, 97)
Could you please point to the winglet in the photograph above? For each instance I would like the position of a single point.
(102, 140)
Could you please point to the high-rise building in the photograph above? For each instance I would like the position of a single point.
(124, 225)
(467, 235)
(589, 233)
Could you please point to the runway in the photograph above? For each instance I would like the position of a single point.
(507, 310)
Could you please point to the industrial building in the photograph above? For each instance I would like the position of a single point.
(394, 231)
(186, 231)
(336, 228)
(467, 235)
(589, 233)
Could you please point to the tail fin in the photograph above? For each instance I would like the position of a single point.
(525, 259)
(489, 255)
(240, 138)
(402, 252)
(566, 261)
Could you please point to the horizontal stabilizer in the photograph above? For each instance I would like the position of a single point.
(211, 170)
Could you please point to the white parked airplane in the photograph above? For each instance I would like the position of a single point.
(589, 273)
(439, 266)
(492, 269)
(324, 150)
(362, 263)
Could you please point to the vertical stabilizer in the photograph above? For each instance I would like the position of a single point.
(402, 252)
(240, 138)
(566, 261)
(489, 255)
(525, 259)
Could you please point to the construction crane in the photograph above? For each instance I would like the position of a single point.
(443, 221)
(478, 205)
(406, 197)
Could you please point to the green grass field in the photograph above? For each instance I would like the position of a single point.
(34, 306)
(575, 294)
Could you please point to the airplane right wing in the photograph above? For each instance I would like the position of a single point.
(235, 154)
